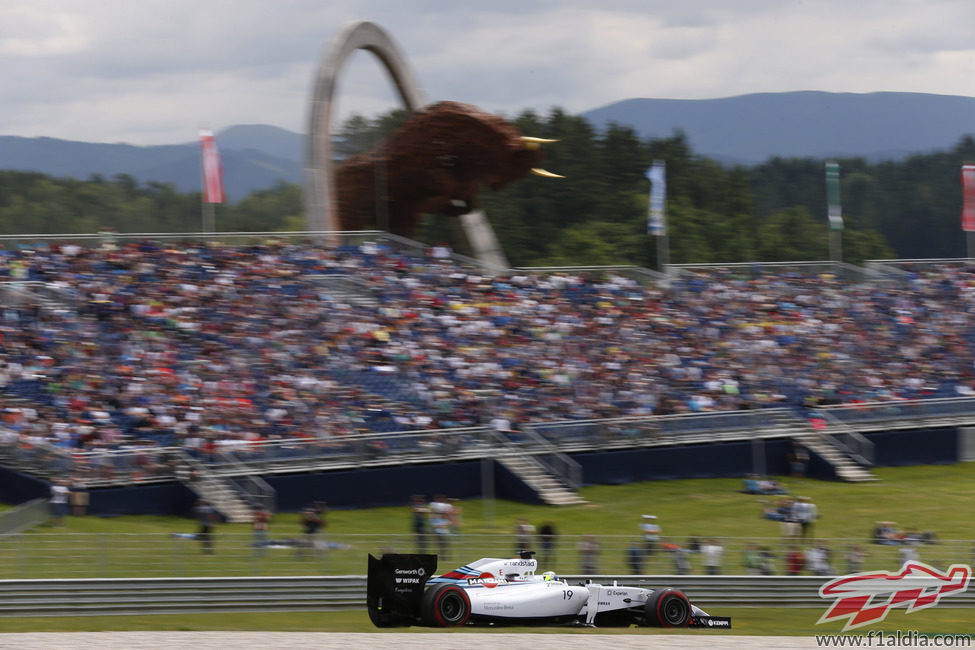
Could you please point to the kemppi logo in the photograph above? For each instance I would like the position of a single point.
(865, 598)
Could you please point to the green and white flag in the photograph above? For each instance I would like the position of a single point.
(834, 210)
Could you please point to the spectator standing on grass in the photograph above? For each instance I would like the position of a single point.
(711, 557)
(440, 515)
(546, 535)
(854, 558)
(524, 532)
(260, 525)
(78, 497)
(634, 558)
(59, 501)
(751, 560)
(804, 512)
(206, 517)
(418, 514)
(588, 555)
(795, 561)
(817, 560)
(682, 561)
(312, 522)
(908, 553)
(651, 534)
(798, 459)
(766, 561)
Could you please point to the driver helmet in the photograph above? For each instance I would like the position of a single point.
(550, 575)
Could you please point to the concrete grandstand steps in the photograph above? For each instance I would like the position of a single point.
(549, 489)
(222, 495)
(819, 443)
(845, 468)
(347, 289)
(224, 499)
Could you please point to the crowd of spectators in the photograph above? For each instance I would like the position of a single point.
(206, 345)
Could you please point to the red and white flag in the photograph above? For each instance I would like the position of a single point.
(212, 168)
(968, 198)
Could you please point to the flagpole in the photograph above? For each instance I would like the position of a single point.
(211, 172)
(968, 207)
(208, 217)
(663, 252)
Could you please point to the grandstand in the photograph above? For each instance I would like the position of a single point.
(254, 367)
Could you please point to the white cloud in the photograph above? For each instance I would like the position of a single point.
(151, 71)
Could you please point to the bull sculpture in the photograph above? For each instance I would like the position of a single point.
(433, 164)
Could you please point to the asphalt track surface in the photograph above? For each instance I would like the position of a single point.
(410, 641)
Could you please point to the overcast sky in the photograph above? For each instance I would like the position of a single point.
(154, 71)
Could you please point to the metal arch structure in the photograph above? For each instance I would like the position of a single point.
(321, 210)
(320, 207)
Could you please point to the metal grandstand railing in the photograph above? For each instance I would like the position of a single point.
(849, 441)
(842, 270)
(148, 463)
(636, 273)
(354, 237)
(904, 414)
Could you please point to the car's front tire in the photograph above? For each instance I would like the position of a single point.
(445, 606)
(667, 608)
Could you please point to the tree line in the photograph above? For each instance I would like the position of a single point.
(597, 214)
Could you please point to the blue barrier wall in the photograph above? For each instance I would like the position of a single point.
(916, 447)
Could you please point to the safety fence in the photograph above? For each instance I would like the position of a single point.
(23, 517)
(107, 597)
(49, 554)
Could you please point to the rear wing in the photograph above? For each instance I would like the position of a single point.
(395, 585)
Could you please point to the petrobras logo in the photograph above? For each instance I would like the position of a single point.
(867, 597)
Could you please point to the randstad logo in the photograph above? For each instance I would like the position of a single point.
(867, 597)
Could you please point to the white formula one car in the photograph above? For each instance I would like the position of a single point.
(403, 590)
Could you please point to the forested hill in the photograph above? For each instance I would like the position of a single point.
(749, 129)
(772, 211)
(775, 211)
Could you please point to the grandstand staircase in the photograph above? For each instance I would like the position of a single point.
(344, 288)
(221, 494)
(541, 466)
(846, 469)
(848, 465)
(549, 489)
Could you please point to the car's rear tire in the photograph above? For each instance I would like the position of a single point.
(445, 606)
(667, 608)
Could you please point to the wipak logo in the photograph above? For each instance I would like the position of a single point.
(867, 597)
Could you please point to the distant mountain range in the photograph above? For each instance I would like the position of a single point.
(254, 157)
(748, 129)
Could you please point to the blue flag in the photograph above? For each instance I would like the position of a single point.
(657, 174)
